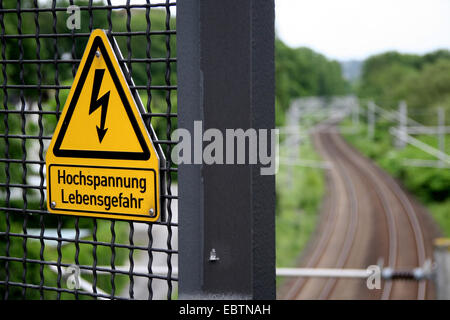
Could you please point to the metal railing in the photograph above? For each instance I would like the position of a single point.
(39, 56)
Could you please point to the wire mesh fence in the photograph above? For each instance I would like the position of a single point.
(41, 254)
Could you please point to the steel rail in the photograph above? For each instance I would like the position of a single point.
(323, 244)
(349, 239)
(320, 247)
(393, 242)
(388, 214)
(413, 220)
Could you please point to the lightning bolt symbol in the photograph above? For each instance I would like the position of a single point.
(99, 102)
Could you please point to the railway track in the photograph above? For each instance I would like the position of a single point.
(366, 216)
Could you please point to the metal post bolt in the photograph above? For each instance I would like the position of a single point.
(213, 255)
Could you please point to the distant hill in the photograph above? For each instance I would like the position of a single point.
(351, 69)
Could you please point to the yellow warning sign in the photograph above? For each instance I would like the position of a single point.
(101, 161)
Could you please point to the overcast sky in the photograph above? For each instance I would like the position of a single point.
(355, 29)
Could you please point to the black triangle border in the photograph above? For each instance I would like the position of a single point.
(119, 155)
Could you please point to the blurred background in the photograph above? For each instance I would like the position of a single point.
(371, 79)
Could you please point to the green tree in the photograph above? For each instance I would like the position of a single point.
(422, 81)
(302, 72)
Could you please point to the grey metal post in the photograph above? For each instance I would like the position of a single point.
(225, 73)
(371, 119)
(442, 272)
(402, 123)
(441, 132)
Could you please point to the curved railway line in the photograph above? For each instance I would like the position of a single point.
(366, 216)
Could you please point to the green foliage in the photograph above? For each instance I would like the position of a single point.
(299, 194)
(422, 81)
(430, 88)
(429, 185)
(302, 72)
(441, 213)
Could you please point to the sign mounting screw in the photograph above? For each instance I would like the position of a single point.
(151, 211)
(53, 205)
(97, 54)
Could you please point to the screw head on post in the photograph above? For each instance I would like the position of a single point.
(213, 255)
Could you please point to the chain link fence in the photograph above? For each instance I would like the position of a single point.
(44, 256)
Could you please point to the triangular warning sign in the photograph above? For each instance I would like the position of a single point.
(101, 161)
(100, 121)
